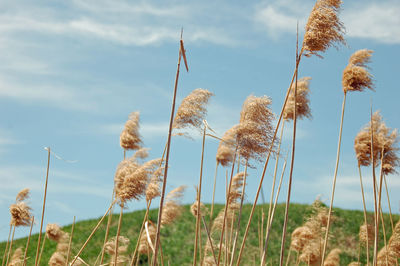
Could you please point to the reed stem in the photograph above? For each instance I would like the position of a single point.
(365, 212)
(92, 233)
(140, 233)
(334, 181)
(199, 198)
(8, 242)
(44, 206)
(209, 239)
(28, 241)
(11, 244)
(160, 209)
(107, 228)
(70, 241)
(213, 197)
(42, 248)
(388, 198)
(118, 233)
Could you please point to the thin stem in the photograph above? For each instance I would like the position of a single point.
(209, 239)
(107, 229)
(11, 244)
(275, 173)
(8, 242)
(288, 257)
(92, 233)
(118, 233)
(334, 181)
(240, 214)
(28, 241)
(213, 197)
(181, 52)
(273, 213)
(44, 206)
(41, 249)
(140, 233)
(365, 212)
(291, 165)
(70, 241)
(376, 216)
(199, 198)
(390, 208)
(265, 166)
(226, 207)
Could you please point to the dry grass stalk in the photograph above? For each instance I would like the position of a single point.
(323, 28)
(351, 81)
(255, 131)
(172, 206)
(130, 138)
(28, 241)
(333, 258)
(302, 100)
(16, 259)
(192, 110)
(70, 240)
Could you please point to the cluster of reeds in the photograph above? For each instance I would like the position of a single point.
(250, 142)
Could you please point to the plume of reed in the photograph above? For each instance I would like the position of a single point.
(54, 232)
(172, 206)
(192, 110)
(131, 179)
(153, 188)
(17, 258)
(351, 81)
(366, 234)
(110, 247)
(302, 100)
(323, 28)
(255, 130)
(130, 138)
(59, 257)
(144, 246)
(22, 195)
(226, 147)
(333, 258)
(311, 253)
(194, 208)
(141, 153)
(356, 76)
(355, 263)
(20, 214)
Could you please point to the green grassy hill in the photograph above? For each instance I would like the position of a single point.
(177, 239)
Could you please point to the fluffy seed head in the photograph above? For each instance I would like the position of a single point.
(300, 236)
(144, 246)
(153, 188)
(356, 76)
(192, 110)
(54, 232)
(22, 195)
(355, 263)
(109, 246)
(255, 130)
(172, 207)
(57, 259)
(386, 257)
(333, 258)
(17, 258)
(20, 214)
(226, 147)
(311, 252)
(323, 28)
(366, 234)
(130, 138)
(302, 100)
(194, 208)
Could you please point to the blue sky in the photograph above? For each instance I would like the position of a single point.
(71, 72)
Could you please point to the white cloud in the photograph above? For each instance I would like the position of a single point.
(379, 22)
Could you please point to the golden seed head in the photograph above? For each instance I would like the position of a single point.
(130, 138)
(302, 100)
(192, 110)
(226, 147)
(356, 76)
(172, 207)
(22, 195)
(20, 214)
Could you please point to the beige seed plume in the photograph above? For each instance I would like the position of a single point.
(20, 214)
(172, 207)
(141, 153)
(255, 130)
(192, 110)
(302, 100)
(131, 179)
(323, 28)
(226, 147)
(386, 257)
(193, 209)
(54, 232)
(109, 248)
(355, 263)
(356, 76)
(362, 235)
(144, 246)
(389, 142)
(300, 236)
(17, 258)
(57, 259)
(311, 252)
(22, 195)
(333, 258)
(130, 138)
